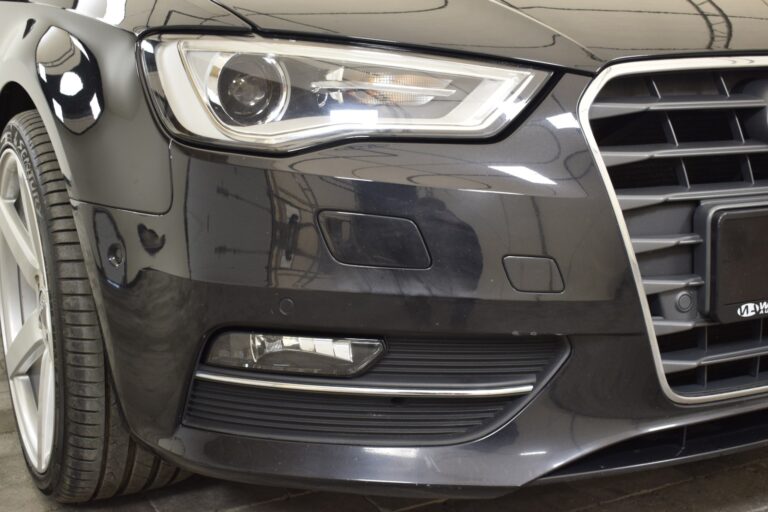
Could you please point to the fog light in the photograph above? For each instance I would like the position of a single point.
(335, 357)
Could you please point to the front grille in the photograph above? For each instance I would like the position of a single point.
(671, 141)
(441, 365)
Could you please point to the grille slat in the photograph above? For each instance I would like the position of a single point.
(328, 418)
(657, 243)
(691, 359)
(340, 419)
(622, 155)
(612, 107)
(715, 146)
(452, 361)
(632, 200)
(315, 428)
(240, 402)
(664, 327)
(667, 284)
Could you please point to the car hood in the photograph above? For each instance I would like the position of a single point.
(582, 34)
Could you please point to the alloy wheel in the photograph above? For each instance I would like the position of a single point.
(25, 314)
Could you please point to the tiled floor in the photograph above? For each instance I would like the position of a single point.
(730, 484)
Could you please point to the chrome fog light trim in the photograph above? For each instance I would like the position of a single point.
(366, 390)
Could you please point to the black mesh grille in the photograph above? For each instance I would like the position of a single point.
(715, 169)
(759, 167)
(646, 174)
(672, 141)
(702, 125)
(339, 419)
(482, 362)
(642, 128)
(718, 357)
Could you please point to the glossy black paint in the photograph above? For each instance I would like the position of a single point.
(70, 79)
(572, 34)
(217, 271)
(183, 242)
(139, 16)
(123, 163)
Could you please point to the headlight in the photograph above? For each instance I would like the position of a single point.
(280, 95)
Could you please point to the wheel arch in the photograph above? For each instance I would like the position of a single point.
(14, 99)
(20, 88)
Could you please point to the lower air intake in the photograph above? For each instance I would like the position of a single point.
(360, 414)
(339, 419)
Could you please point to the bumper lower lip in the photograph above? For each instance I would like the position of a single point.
(479, 469)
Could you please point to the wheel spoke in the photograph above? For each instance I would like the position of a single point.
(25, 311)
(19, 241)
(30, 214)
(45, 409)
(26, 348)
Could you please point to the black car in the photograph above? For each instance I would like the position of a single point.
(419, 247)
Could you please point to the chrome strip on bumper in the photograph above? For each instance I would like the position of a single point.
(367, 391)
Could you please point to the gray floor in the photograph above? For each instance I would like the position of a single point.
(735, 483)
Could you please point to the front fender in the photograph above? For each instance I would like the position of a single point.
(109, 148)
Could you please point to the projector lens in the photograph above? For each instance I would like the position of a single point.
(251, 89)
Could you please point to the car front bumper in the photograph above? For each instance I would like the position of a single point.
(241, 238)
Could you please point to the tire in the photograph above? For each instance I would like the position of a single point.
(93, 455)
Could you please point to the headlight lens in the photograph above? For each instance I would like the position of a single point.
(246, 90)
(278, 95)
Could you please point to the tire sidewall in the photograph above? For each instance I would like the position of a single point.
(16, 138)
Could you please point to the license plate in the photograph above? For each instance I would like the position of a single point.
(739, 274)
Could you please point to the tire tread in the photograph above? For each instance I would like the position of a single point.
(100, 458)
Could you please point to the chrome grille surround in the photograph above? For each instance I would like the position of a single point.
(588, 99)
